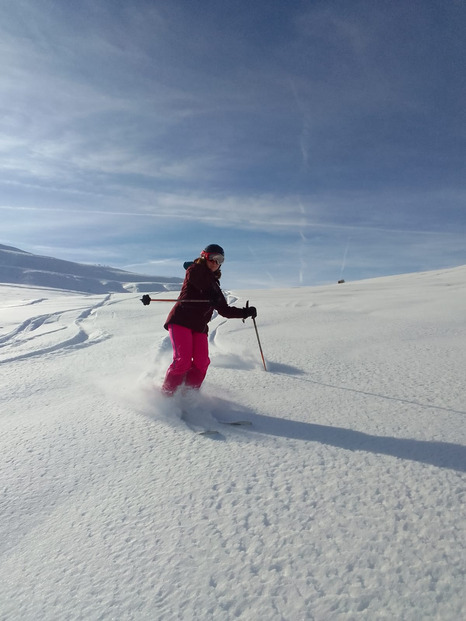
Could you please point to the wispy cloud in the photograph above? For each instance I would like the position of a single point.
(294, 125)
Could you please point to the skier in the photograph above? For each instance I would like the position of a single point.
(187, 321)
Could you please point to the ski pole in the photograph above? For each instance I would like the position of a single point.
(260, 346)
(147, 300)
(258, 339)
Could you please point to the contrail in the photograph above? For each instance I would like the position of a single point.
(343, 265)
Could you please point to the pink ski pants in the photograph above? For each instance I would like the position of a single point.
(190, 359)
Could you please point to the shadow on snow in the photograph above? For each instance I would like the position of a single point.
(439, 454)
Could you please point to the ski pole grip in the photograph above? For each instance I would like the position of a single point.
(247, 306)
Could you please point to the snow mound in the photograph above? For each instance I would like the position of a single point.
(343, 499)
(24, 268)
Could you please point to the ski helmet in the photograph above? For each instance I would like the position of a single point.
(214, 249)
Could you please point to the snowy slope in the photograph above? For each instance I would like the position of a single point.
(344, 500)
(20, 267)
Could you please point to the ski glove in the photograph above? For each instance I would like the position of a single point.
(249, 311)
(145, 299)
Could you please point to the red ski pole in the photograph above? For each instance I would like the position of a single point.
(260, 346)
(146, 299)
(258, 339)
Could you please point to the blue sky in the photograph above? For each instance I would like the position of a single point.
(313, 140)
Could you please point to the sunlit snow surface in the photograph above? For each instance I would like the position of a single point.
(344, 500)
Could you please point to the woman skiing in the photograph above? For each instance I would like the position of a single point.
(187, 321)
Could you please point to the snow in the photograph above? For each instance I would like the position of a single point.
(343, 500)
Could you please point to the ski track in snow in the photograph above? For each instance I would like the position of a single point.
(31, 334)
(344, 500)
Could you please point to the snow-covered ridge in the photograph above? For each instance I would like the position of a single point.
(24, 268)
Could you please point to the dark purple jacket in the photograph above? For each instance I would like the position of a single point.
(200, 284)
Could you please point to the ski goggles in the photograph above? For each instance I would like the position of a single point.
(215, 258)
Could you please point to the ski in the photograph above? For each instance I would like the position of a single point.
(199, 429)
(209, 432)
(203, 428)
